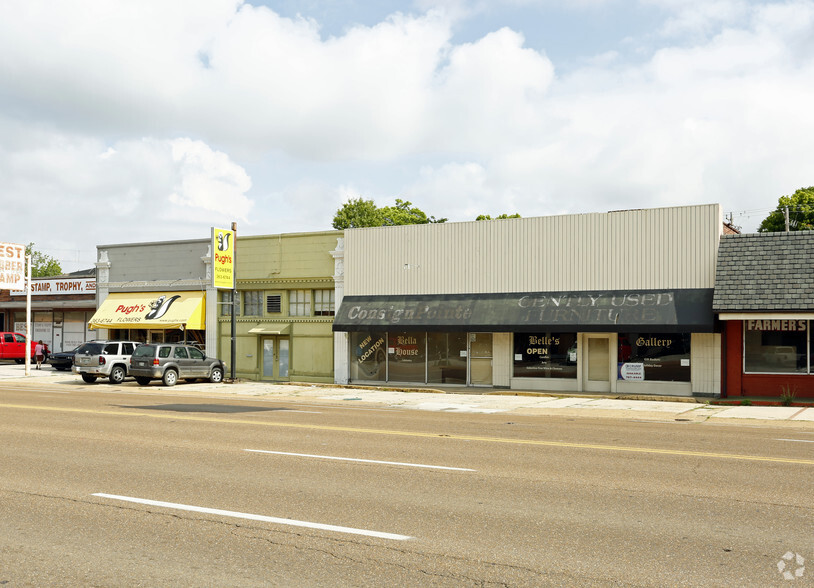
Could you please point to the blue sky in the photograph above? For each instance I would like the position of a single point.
(154, 120)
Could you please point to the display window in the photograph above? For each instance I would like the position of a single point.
(776, 346)
(368, 356)
(545, 355)
(660, 357)
(446, 358)
(407, 356)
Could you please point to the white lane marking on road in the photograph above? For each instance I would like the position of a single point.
(398, 463)
(797, 440)
(255, 517)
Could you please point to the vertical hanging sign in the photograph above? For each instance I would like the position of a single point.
(12, 266)
(223, 262)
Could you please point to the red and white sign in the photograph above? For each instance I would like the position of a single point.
(12, 266)
(59, 287)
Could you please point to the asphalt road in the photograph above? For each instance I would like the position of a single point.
(105, 487)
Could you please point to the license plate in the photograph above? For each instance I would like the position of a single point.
(142, 363)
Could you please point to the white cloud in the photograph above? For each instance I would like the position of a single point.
(151, 114)
(79, 190)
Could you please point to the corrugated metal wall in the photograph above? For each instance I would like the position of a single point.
(635, 250)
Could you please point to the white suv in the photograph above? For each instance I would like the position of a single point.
(104, 359)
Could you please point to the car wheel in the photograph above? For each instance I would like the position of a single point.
(117, 375)
(216, 375)
(89, 378)
(170, 378)
(142, 381)
(18, 360)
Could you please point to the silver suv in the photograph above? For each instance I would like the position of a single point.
(104, 359)
(170, 362)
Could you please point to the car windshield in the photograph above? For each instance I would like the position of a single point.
(144, 351)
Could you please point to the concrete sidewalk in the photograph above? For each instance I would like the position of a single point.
(461, 401)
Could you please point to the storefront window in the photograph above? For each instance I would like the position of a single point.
(545, 355)
(299, 303)
(324, 303)
(406, 354)
(253, 303)
(226, 303)
(661, 357)
(368, 356)
(776, 346)
(446, 358)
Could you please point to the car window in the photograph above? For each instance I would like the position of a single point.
(144, 351)
(20, 338)
(90, 349)
(180, 353)
(164, 352)
(127, 348)
(196, 353)
(111, 349)
(9, 338)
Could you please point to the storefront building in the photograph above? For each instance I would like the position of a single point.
(764, 298)
(60, 309)
(615, 302)
(285, 306)
(156, 292)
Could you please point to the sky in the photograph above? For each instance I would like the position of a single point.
(127, 121)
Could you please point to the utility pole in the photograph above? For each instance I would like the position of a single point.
(234, 299)
(786, 214)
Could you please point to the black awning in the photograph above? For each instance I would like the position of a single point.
(602, 311)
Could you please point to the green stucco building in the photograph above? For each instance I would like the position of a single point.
(285, 306)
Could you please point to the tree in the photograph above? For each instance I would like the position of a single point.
(504, 215)
(42, 265)
(357, 213)
(801, 213)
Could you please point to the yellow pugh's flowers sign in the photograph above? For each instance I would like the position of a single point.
(223, 259)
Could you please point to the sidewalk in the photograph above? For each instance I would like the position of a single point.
(460, 400)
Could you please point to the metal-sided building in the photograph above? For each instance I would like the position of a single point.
(607, 302)
(156, 292)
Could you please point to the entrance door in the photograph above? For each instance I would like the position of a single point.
(596, 369)
(275, 358)
(480, 359)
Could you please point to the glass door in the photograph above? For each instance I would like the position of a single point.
(480, 359)
(596, 370)
(275, 358)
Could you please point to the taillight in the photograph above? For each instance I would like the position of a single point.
(102, 360)
(155, 361)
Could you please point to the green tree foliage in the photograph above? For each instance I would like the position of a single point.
(357, 213)
(801, 213)
(364, 213)
(504, 215)
(42, 265)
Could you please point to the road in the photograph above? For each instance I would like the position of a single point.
(121, 486)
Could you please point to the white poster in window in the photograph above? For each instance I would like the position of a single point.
(633, 372)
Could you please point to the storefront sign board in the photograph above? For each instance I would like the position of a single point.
(12, 266)
(223, 260)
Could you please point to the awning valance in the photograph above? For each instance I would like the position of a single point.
(271, 329)
(151, 310)
(687, 310)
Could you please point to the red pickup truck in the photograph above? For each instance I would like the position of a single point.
(12, 346)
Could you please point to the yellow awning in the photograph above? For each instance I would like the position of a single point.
(151, 310)
(271, 329)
